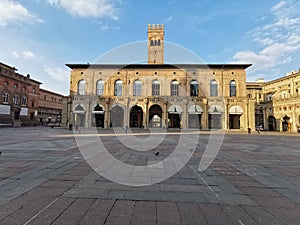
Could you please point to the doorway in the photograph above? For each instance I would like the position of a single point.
(234, 121)
(155, 116)
(136, 117)
(117, 116)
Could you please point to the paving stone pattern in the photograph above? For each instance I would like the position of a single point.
(255, 179)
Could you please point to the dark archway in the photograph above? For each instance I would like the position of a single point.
(117, 116)
(98, 120)
(285, 123)
(155, 116)
(136, 116)
(271, 123)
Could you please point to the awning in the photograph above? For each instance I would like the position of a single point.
(236, 110)
(215, 109)
(195, 109)
(79, 112)
(97, 112)
(175, 109)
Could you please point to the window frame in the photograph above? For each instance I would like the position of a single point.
(214, 92)
(155, 88)
(137, 88)
(196, 90)
(174, 88)
(5, 98)
(232, 88)
(100, 87)
(81, 87)
(118, 88)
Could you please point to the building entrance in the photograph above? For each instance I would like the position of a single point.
(98, 120)
(234, 121)
(136, 117)
(117, 116)
(155, 116)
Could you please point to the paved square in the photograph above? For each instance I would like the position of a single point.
(255, 179)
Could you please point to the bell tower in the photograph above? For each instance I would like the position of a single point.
(156, 43)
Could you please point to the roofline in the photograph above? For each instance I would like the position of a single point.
(161, 66)
(13, 68)
(51, 92)
(284, 77)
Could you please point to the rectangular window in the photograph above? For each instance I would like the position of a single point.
(137, 89)
(155, 89)
(174, 90)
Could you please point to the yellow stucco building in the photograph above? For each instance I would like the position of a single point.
(155, 94)
(277, 103)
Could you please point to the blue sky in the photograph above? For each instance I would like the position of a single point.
(39, 36)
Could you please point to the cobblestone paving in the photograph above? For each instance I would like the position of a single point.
(255, 179)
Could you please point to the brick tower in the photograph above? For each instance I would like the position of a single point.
(156, 44)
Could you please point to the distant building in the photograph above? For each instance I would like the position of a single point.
(50, 107)
(22, 101)
(189, 96)
(277, 102)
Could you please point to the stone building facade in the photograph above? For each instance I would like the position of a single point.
(277, 103)
(188, 96)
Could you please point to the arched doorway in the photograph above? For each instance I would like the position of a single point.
(98, 118)
(79, 116)
(215, 117)
(271, 123)
(117, 116)
(174, 116)
(155, 116)
(194, 119)
(136, 117)
(235, 113)
(285, 123)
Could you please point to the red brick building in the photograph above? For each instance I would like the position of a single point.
(21, 97)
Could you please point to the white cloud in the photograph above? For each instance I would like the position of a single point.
(28, 55)
(277, 40)
(11, 11)
(278, 6)
(169, 19)
(15, 54)
(57, 73)
(24, 54)
(91, 8)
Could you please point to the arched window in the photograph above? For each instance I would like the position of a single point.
(81, 87)
(100, 87)
(232, 88)
(16, 99)
(158, 42)
(155, 87)
(118, 88)
(213, 88)
(137, 88)
(5, 98)
(24, 101)
(151, 43)
(174, 88)
(194, 88)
